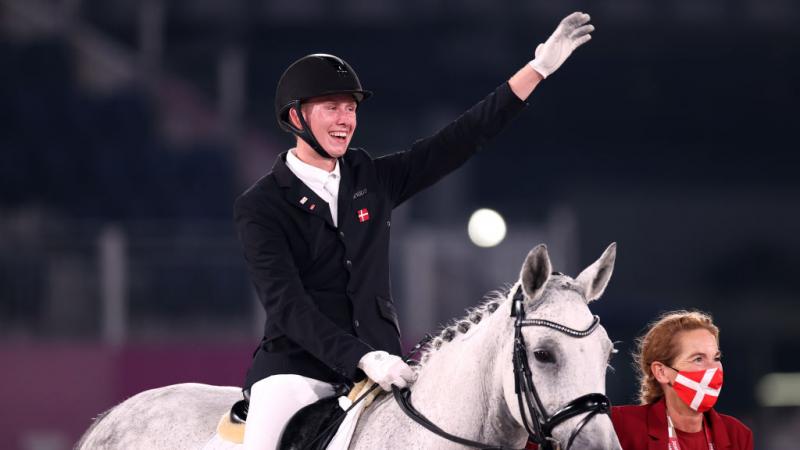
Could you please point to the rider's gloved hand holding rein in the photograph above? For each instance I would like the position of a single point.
(387, 370)
(571, 33)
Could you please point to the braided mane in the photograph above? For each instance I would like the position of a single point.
(489, 305)
(447, 333)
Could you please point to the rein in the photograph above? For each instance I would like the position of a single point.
(540, 425)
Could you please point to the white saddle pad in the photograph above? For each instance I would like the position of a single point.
(341, 440)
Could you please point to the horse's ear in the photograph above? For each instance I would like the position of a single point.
(594, 278)
(535, 272)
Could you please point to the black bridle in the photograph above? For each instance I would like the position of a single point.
(541, 425)
(537, 422)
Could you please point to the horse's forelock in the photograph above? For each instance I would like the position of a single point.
(564, 282)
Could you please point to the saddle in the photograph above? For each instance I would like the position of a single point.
(311, 428)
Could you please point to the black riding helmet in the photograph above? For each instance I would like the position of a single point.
(314, 76)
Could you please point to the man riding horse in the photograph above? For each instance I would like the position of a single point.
(315, 230)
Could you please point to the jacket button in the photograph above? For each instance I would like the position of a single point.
(341, 234)
(388, 223)
(357, 323)
(348, 263)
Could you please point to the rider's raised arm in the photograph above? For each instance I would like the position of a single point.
(405, 173)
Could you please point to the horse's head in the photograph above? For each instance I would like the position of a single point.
(566, 355)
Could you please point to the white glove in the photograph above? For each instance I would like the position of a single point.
(386, 370)
(571, 33)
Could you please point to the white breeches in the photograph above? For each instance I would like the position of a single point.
(273, 401)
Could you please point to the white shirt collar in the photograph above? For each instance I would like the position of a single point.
(308, 171)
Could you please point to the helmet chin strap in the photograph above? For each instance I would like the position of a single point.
(305, 132)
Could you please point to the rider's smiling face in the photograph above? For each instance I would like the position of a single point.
(332, 120)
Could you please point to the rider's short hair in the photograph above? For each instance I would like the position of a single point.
(660, 343)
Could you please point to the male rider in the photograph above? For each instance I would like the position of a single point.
(315, 230)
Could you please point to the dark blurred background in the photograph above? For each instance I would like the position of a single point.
(127, 129)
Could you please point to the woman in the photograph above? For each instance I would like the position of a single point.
(680, 372)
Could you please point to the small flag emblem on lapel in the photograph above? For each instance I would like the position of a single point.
(313, 205)
(363, 215)
(303, 200)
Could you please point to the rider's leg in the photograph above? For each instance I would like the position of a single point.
(273, 401)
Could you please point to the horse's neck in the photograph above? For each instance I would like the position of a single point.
(460, 386)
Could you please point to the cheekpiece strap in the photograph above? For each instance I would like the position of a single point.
(517, 303)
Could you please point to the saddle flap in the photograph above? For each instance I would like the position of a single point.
(313, 427)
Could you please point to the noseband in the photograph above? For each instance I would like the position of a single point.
(537, 422)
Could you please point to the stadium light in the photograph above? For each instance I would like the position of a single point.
(779, 389)
(486, 228)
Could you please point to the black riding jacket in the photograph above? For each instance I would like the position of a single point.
(326, 290)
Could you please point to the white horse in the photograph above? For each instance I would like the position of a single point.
(465, 385)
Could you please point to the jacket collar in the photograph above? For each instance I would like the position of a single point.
(718, 431)
(345, 192)
(298, 194)
(657, 426)
(283, 175)
(295, 190)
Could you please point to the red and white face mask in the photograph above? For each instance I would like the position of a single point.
(699, 389)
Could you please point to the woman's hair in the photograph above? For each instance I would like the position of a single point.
(659, 344)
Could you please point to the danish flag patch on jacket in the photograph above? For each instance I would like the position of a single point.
(363, 215)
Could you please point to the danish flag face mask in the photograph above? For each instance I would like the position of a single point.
(699, 389)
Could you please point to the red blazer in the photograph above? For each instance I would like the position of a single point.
(644, 427)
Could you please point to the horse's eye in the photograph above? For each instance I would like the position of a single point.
(543, 356)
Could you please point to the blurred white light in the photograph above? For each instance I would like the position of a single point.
(486, 228)
(779, 389)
